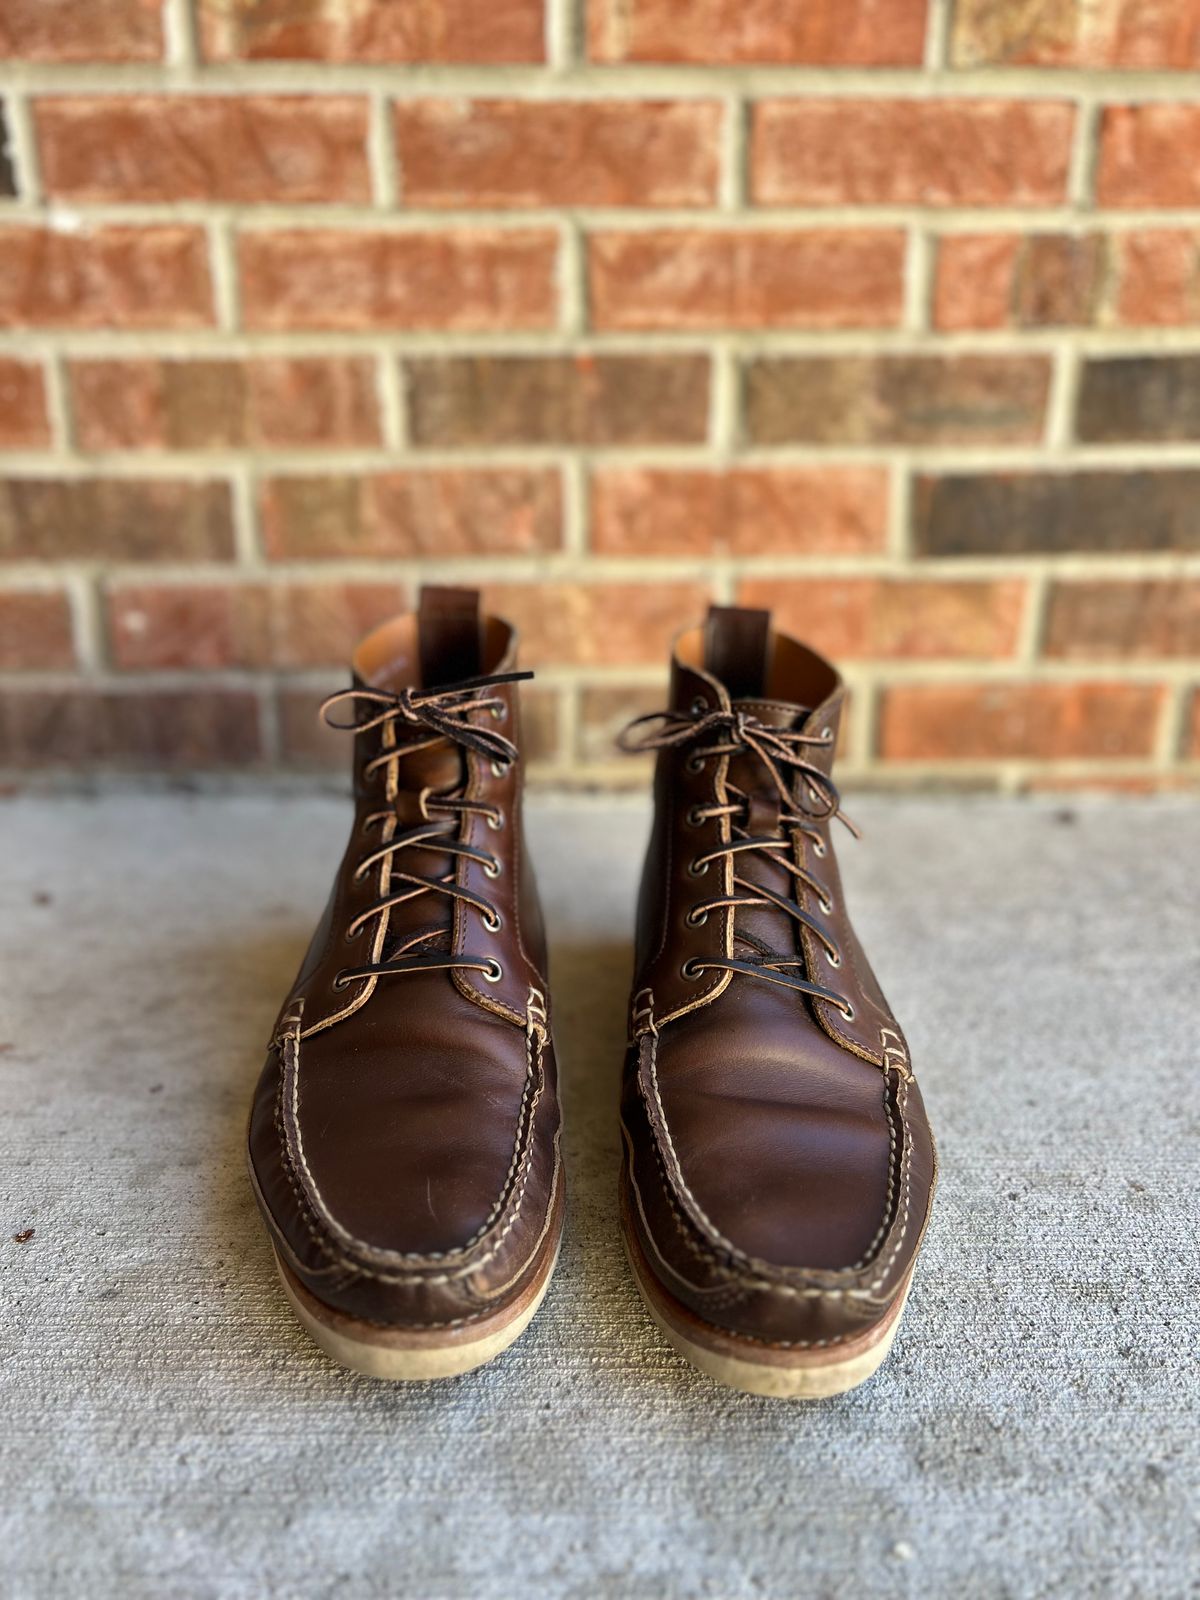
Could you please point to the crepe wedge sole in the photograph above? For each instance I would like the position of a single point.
(774, 1370)
(414, 1355)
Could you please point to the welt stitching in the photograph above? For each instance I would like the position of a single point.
(374, 1251)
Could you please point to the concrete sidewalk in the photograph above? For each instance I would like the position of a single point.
(166, 1430)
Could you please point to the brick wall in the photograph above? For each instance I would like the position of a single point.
(884, 312)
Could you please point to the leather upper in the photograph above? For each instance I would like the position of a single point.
(404, 1134)
(779, 1166)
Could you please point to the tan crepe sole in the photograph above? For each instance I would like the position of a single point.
(410, 1355)
(764, 1369)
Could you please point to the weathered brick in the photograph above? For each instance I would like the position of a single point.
(35, 629)
(902, 618)
(865, 33)
(488, 31)
(558, 152)
(475, 280)
(1051, 513)
(1077, 33)
(1158, 274)
(696, 278)
(590, 624)
(1100, 620)
(440, 512)
(1130, 398)
(105, 277)
(24, 423)
(1009, 280)
(1018, 721)
(78, 726)
(289, 149)
(1147, 156)
(745, 511)
(190, 625)
(65, 30)
(119, 519)
(209, 404)
(604, 710)
(900, 399)
(910, 152)
(575, 399)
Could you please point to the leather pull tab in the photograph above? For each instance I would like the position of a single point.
(450, 635)
(736, 642)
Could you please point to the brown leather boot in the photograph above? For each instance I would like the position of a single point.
(779, 1167)
(404, 1136)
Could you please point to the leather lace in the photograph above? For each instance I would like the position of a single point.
(427, 717)
(782, 753)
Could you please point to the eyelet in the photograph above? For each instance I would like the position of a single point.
(693, 817)
(827, 733)
(826, 906)
(819, 849)
(340, 982)
(694, 764)
(493, 972)
(495, 820)
(354, 934)
(493, 921)
(833, 957)
(499, 713)
(697, 869)
(493, 868)
(696, 919)
(688, 969)
(500, 769)
(358, 875)
(847, 1011)
(699, 705)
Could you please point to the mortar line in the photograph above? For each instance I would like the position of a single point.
(22, 150)
(383, 159)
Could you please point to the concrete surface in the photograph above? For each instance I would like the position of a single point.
(166, 1430)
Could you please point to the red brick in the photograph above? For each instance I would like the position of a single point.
(558, 152)
(305, 738)
(1128, 620)
(896, 399)
(475, 280)
(105, 277)
(66, 30)
(901, 619)
(741, 279)
(745, 511)
(118, 519)
(910, 152)
(35, 629)
(552, 399)
(1007, 280)
(604, 710)
(81, 728)
(443, 512)
(24, 423)
(489, 31)
(595, 624)
(289, 149)
(1148, 156)
(1077, 33)
(866, 33)
(189, 625)
(200, 404)
(1158, 278)
(1018, 721)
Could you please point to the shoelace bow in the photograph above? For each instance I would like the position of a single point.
(433, 715)
(781, 752)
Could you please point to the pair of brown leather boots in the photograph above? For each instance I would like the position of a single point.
(404, 1138)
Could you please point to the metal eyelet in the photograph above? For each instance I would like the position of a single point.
(848, 1011)
(493, 868)
(493, 972)
(688, 969)
(499, 712)
(697, 869)
(826, 906)
(493, 921)
(833, 957)
(819, 849)
(693, 817)
(340, 982)
(495, 820)
(356, 933)
(500, 769)
(696, 919)
(694, 764)
(827, 733)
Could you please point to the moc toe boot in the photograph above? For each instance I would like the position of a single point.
(404, 1134)
(778, 1165)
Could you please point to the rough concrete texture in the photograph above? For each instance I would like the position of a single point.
(168, 1430)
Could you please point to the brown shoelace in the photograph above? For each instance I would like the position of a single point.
(430, 716)
(782, 754)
